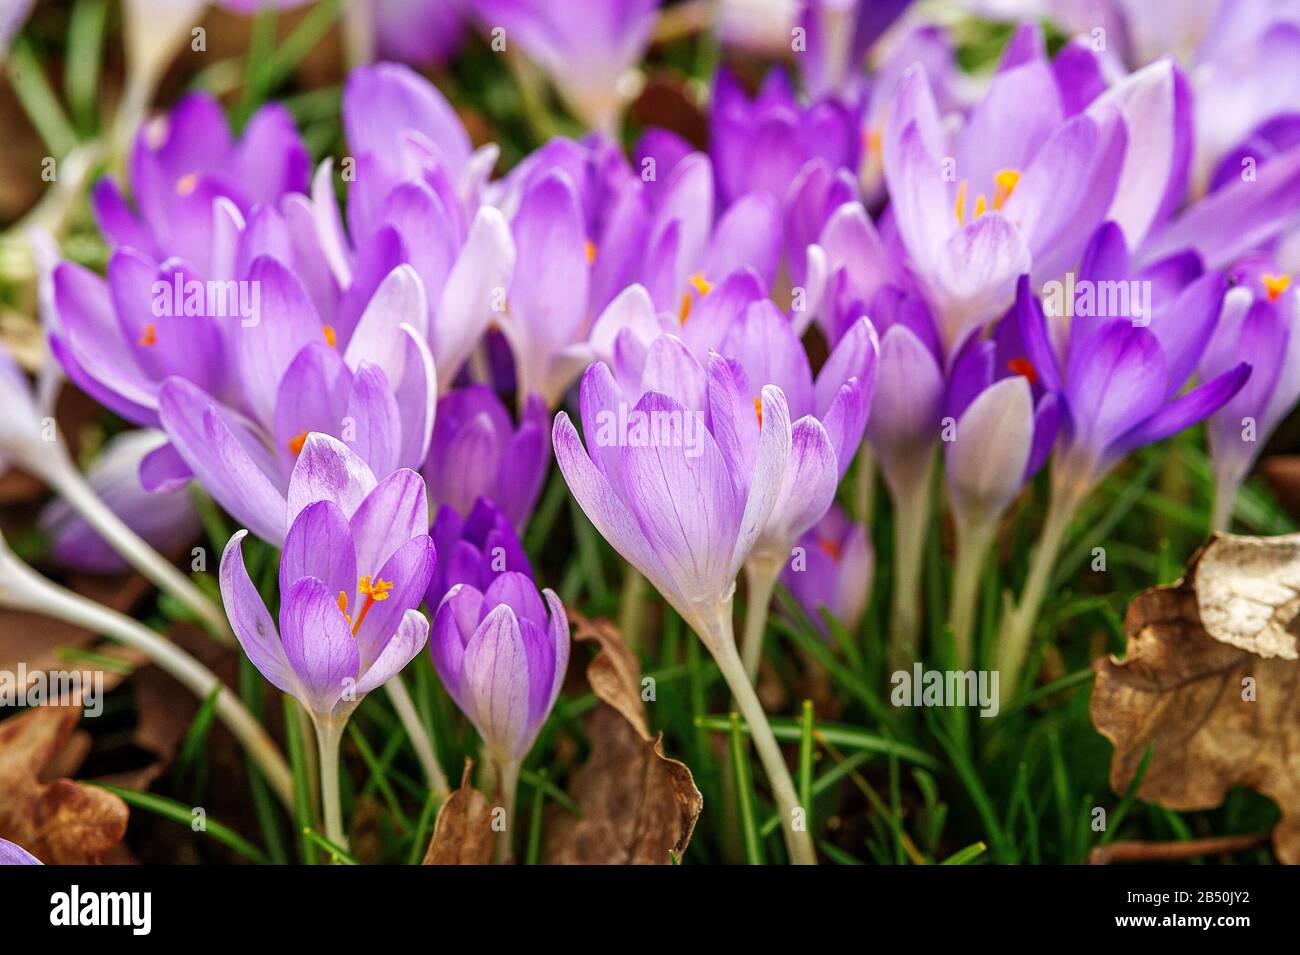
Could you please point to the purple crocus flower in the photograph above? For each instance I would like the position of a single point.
(418, 31)
(502, 654)
(584, 48)
(1120, 383)
(183, 162)
(356, 563)
(831, 569)
(972, 224)
(838, 34)
(1256, 326)
(166, 521)
(763, 143)
(474, 550)
(682, 487)
(378, 397)
(13, 854)
(477, 451)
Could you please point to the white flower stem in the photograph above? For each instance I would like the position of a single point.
(24, 589)
(720, 640)
(507, 775)
(973, 541)
(329, 734)
(419, 735)
(761, 576)
(1018, 625)
(64, 477)
(911, 520)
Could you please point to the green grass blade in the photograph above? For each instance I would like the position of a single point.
(176, 812)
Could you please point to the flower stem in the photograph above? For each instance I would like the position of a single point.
(77, 491)
(24, 589)
(329, 733)
(911, 520)
(973, 541)
(761, 576)
(508, 778)
(1226, 486)
(721, 642)
(421, 738)
(1018, 626)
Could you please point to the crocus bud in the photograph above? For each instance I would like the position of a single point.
(832, 568)
(987, 459)
(474, 550)
(502, 660)
(477, 451)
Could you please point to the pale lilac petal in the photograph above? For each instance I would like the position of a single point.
(250, 619)
(318, 644)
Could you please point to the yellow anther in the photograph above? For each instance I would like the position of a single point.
(1005, 180)
(148, 336)
(962, 188)
(343, 606)
(590, 249)
(702, 285)
(981, 205)
(1275, 285)
(875, 141)
(187, 183)
(376, 591)
(331, 336)
(758, 410)
(296, 443)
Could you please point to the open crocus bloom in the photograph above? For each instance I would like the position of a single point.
(680, 490)
(502, 658)
(378, 396)
(356, 563)
(978, 209)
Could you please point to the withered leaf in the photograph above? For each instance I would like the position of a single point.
(637, 805)
(1220, 709)
(462, 833)
(59, 822)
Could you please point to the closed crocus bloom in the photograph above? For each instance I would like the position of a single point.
(1257, 325)
(502, 654)
(13, 854)
(584, 48)
(685, 501)
(903, 431)
(831, 569)
(763, 143)
(474, 550)
(478, 451)
(355, 566)
(167, 521)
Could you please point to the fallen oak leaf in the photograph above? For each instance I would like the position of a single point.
(462, 833)
(60, 822)
(1220, 708)
(638, 806)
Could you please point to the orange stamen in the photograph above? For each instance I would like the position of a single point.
(373, 592)
(149, 336)
(296, 443)
(331, 336)
(962, 188)
(1025, 368)
(186, 184)
(758, 410)
(1276, 285)
(590, 249)
(1005, 180)
(830, 548)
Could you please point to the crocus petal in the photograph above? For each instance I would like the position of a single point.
(250, 619)
(287, 321)
(328, 471)
(481, 272)
(406, 643)
(986, 461)
(319, 544)
(1182, 412)
(393, 513)
(408, 570)
(495, 681)
(318, 644)
(1115, 380)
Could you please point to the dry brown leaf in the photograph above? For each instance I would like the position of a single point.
(59, 822)
(462, 834)
(638, 806)
(1183, 690)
